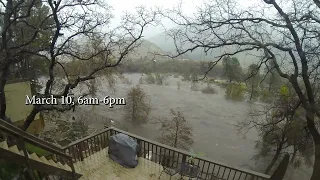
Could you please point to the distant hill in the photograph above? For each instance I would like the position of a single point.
(146, 51)
(167, 44)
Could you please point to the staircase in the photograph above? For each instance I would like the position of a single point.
(57, 165)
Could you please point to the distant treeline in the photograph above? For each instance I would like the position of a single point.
(183, 67)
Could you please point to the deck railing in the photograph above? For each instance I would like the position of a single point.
(209, 169)
(16, 136)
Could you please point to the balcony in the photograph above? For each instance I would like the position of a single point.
(90, 159)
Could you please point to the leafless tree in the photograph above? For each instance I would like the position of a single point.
(75, 22)
(284, 32)
(176, 132)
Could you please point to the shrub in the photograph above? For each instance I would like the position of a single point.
(209, 90)
(160, 78)
(127, 81)
(150, 79)
(141, 80)
(235, 91)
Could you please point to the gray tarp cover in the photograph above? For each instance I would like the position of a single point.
(123, 149)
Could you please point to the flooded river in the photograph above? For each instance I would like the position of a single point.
(212, 116)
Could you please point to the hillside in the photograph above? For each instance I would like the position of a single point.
(167, 44)
(146, 51)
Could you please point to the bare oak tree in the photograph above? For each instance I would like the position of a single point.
(284, 32)
(74, 23)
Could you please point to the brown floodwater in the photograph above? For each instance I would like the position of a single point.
(212, 116)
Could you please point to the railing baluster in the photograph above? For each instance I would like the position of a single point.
(229, 174)
(223, 172)
(219, 172)
(207, 171)
(234, 176)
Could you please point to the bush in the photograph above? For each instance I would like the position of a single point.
(150, 79)
(9, 170)
(140, 80)
(156, 79)
(160, 78)
(126, 81)
(221, 83)
(235, 91)
(209, 90)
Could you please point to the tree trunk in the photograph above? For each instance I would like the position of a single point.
(3, 81)
(270, 86)
(293, 155)
(316, 139)
(176, 136)
(251, 95)
(274, 160)
(30, 119)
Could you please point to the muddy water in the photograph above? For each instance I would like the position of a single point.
(212, 116)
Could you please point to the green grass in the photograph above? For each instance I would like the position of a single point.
(37, 150)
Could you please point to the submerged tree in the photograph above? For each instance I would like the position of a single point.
(137, 107)
(287, 34)
(253, 77)
(281, 130)
(232, 68)
(176, 132)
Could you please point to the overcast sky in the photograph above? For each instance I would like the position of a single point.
(189, 7)
(119, 6)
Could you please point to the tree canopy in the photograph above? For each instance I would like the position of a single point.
(283, 32)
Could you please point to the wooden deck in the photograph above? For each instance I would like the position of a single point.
(98, 166)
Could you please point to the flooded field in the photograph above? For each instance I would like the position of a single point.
(212, 116)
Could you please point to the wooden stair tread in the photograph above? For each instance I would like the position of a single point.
(45, 160)
(4, 145)
(15, 149)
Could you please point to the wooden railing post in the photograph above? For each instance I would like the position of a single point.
(140, 148)
(80, 151)
(184, 158)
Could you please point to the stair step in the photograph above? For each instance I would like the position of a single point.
(45, 160)
(67, 167)
(35, 157)
(53, 163)
(4, 145)
(61, 165)
(15, 149)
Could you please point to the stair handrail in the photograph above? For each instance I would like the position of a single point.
(13, 130)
